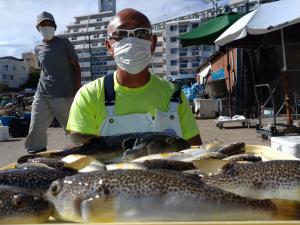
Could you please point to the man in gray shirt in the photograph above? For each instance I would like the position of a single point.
(59, 81)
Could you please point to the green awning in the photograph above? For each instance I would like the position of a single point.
(207, 32)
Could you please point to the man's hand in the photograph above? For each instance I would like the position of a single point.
(78, 139)
(196, 140)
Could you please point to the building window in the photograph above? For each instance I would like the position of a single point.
(14, 68)
(194, 25)
(183, 52)
(195, 52)
(11, 77)
(173, 39)
(173, 28)
(206, 47)
(5, 68)
(4, 76)
(73, 38)
(182, 29)
(77, 22)
(98, 28)
(75, 30)
(174, 72)
(157, 54)
(96, 36)
(99, 19)
(94, 44)
(173, 62)
(23, 68)
(173, 50)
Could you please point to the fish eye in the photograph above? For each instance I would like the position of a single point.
(169, 140)
(55, 188)
(18, 201)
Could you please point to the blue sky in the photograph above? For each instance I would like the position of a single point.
(18, 17)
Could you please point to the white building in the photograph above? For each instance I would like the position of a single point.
(88, 34)
(14, 72)
(170, 58)
(31, 59)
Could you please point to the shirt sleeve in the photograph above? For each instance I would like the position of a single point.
(187, 120)
(70, 50)
(85, 113)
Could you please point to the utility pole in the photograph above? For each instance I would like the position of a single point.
(215, 5)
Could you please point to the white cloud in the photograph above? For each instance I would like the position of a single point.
(18, 17)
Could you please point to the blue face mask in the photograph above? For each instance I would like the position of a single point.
(132, 54)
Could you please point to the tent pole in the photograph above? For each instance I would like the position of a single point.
(283, 50)
(285, 83)
(229, 82)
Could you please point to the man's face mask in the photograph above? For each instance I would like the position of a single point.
(47, 32)
(132, 54)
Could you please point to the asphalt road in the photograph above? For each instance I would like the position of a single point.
(14, 148)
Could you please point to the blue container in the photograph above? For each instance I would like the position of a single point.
(26, 115)
(5, 120)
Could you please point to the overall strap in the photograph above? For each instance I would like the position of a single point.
(176, 96)
(109, 91)
(175, 100)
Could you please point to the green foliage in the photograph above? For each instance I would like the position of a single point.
(3, 87)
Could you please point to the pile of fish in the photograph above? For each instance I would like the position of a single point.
(149, 177)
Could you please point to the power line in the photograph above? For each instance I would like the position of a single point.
(177, 12)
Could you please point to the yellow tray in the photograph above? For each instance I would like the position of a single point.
(267, 153)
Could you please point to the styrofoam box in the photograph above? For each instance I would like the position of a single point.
(287, 144)
(205, 108)
(4, 134)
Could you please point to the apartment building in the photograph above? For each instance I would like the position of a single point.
(14, 72)
(31, 59)
(88, 33)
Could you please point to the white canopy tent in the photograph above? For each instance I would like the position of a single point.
(271, 23)
(265, 19)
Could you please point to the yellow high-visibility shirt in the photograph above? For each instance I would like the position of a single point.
(88, 109)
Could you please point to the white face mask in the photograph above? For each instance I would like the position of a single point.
(132, 54)
(47, 32)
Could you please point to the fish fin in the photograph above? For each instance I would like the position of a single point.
(286, 209)
(210, 166)
(97, 209)
(9, 166)
(25, 158)
(129, 142)
(126, 166)
(77, 162)
(213, 145)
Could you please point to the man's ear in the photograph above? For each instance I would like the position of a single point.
(154, 41)
(109, 48)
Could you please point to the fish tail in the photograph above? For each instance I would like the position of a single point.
(286, 209)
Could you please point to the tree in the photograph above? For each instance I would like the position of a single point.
(3, 87)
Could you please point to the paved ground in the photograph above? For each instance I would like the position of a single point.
(12, 149)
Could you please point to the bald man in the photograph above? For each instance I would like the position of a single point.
(132, 99)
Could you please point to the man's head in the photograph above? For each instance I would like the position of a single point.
(46, 25)
(130, 34)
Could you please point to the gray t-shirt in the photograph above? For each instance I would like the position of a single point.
(57, 75)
